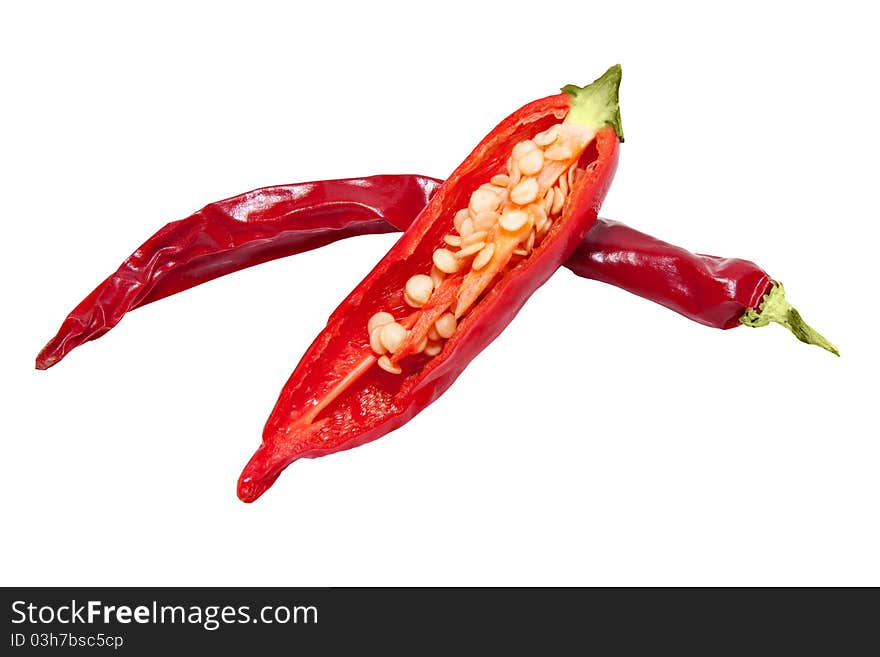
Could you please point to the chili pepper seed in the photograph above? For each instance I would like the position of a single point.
(485, 220)
(513, 220)
(473, 238)
(418, 290)
(445, 325)
(392, 336)
(433, 348)
(470, 250)
(515, 173)
(525, 192)
(445, 261)
(563, 185)
(376, 341)
(483, 257)
(558, 200)
(379, 319)
(459, 218)
(531, 162)
(523, 148)
(483, 200)
(386, 364)
(495, 189)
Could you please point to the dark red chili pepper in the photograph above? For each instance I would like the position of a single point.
(718, 292)
(343, 392)
(239, 232)
(274, 222)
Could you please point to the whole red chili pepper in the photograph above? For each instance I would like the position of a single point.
(401, 338)
(278, 221)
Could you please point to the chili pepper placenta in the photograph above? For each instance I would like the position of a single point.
(278, 221)
(495, 230)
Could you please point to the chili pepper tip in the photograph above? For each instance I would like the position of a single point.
(261, 472)
(250, 489)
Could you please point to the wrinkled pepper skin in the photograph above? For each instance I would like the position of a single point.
(239, 232)
(379, 402)
(708, 289)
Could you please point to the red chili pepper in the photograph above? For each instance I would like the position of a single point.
(718, 292)
(346, 391)
(239, 232)
(274, 222)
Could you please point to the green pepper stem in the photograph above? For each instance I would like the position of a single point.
(597, 105)
(775, 308)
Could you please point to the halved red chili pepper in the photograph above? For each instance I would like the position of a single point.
(533, 188)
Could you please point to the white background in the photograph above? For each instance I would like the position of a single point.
(601, 440)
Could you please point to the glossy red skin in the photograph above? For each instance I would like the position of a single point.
(707, 289)
(379, 402)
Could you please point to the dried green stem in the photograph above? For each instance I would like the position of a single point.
(775, 308)
(597, 104)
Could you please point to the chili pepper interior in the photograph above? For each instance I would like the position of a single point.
(505, 218)
(337, 398)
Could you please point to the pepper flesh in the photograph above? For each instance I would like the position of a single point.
(378, 402)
